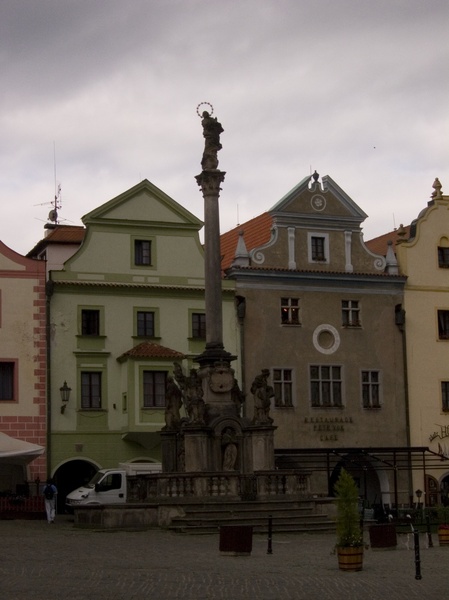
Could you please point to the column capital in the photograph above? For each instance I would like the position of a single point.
(209, 181)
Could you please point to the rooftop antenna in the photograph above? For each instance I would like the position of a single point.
(56, 203)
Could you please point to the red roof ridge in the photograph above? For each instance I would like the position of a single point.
(151, 350)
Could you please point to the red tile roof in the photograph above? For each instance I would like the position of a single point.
(379, 245)
(151, 350)
(257, 231)
(70, 234)
(59, 234)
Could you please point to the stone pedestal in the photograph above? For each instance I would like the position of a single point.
(172, 454)
(262, 447)
(196, 447)
(218, 391)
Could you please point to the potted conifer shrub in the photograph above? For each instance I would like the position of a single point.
(443, 525)
(349, 532)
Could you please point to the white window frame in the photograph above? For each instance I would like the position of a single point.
(329, 381)
(325, 236)
(352, 312)
(287, 304)
(283, 383)
(371, 384)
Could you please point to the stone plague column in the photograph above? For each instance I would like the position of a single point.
(209, 181)
(215, 438)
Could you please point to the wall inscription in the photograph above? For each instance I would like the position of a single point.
(328, 427)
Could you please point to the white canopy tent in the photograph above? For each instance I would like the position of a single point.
(15, 455)
(17, 452)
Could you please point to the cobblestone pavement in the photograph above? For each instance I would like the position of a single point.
(40, 561)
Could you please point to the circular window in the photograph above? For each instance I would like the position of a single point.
(326, 339)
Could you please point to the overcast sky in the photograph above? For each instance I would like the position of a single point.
(107, 91)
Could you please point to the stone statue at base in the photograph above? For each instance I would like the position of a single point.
(173, 403)
(191, 388)
(262, 393)
(230, 450)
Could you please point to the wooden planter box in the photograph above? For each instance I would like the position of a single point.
(443, 535)
(350, 558)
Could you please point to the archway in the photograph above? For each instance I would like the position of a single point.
(71, 475)
(365, 476)
(444, 489)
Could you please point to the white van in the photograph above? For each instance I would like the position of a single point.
(108, 486)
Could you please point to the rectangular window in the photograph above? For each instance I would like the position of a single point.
(7, 380)
(445, 395)
(90, 322)
(325, 386)
(370, 389)
(318, 245)
(443, 257)
(443, 324)
(199, 326)
(350, 313)
(142, 252)
(282, 382)
(90, 390)
(145, 323)
(154, 383)
(290, 311)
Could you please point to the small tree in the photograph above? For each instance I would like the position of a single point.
(349, 532)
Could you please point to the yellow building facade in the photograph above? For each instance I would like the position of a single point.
(424, 259)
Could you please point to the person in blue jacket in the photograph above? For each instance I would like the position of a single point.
(50, 493)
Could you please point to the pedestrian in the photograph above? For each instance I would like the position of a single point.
(50, 493)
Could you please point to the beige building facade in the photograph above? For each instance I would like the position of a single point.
(318, 310)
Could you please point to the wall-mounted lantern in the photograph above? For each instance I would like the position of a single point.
(65, 396)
